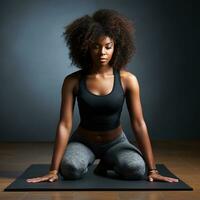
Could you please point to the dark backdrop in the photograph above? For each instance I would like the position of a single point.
(34, 61)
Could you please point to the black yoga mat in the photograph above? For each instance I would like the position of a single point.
(92, 181)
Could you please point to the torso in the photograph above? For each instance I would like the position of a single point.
(100, 89)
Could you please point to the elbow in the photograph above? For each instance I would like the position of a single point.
(138, 124)
(67, 124)
(64, 128)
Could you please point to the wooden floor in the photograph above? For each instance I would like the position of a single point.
(181, 157)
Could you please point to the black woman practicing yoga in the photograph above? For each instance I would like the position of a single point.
(101, 45)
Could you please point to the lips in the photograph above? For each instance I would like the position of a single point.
(102, 59)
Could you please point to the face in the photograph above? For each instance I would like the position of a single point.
(101, 51)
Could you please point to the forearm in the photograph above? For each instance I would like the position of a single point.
(144, 143)
(62, 137)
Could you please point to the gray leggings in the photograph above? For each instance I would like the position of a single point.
(119, 155)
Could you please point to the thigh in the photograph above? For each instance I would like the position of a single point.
(79, 153)
(129, 165)
(76, 159)
(123, 150)
(126, 160)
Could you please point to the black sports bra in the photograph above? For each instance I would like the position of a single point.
(100, 112)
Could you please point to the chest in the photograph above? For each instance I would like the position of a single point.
(100, 86)
(100, 96)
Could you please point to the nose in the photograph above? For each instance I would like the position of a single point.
(102, 51)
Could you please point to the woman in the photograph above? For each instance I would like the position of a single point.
(101, 46)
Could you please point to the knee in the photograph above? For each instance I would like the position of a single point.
(70, 170)
(131, 169)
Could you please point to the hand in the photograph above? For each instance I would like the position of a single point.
(155, 176)
(51, 177)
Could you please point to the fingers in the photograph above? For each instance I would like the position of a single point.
(150, 179)
(53, 179)
(168, 179)
(41, 179)
(162, 178)
(30, 180)
(37, 180)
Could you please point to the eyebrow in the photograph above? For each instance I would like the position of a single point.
(109, 43)
(105, 44)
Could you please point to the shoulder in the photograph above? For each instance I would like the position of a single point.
(73, 77)
(71, 80)
(129, 80)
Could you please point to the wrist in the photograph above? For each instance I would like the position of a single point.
(55, 172)
(153, 171)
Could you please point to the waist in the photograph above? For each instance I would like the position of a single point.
(99, 136)
(99, 123)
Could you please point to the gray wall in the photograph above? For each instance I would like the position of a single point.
(34, 61)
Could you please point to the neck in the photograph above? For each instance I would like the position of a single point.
(107, 69)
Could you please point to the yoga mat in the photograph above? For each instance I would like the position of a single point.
(92, 181)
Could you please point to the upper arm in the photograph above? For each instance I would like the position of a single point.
(133, 99)
(67, 101)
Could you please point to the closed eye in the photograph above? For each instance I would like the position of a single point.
(109, 47)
